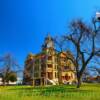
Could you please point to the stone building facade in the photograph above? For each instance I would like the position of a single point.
(49, 67)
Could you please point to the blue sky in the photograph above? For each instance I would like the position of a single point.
(25, 23)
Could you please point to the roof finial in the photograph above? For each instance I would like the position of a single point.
(48, 36)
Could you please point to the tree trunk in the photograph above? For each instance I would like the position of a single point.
(79, 78)
(79, 82)
(59, 77)
(4, 83)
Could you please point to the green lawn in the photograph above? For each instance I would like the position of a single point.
(64, 92)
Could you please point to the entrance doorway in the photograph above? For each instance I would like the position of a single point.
(37, 82)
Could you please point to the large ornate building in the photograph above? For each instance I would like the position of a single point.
(49, 66)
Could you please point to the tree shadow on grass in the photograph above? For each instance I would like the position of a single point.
(57, 91)
(51, 89)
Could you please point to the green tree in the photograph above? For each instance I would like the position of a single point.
(9, 67)
(12, 76)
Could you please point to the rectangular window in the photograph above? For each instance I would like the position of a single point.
(43, 67)
(50, 75)
(49, 65)
(56, 74)
(43, 74)
(49, 57)
(55, 59)
(55, 66)
(36, 68)
(37, 61)
(36, 74)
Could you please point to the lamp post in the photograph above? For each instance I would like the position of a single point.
(96, 21)
(97, 16)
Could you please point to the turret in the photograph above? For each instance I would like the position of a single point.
(48, 42)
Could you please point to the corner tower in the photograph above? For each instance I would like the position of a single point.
(48, 42)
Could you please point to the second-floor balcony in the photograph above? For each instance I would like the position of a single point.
(66, 68)
(49, 62)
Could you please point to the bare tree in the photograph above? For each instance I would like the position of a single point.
(85, 42)
(98, 70)
(60, 48)
(9, 65)
(28, 70)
